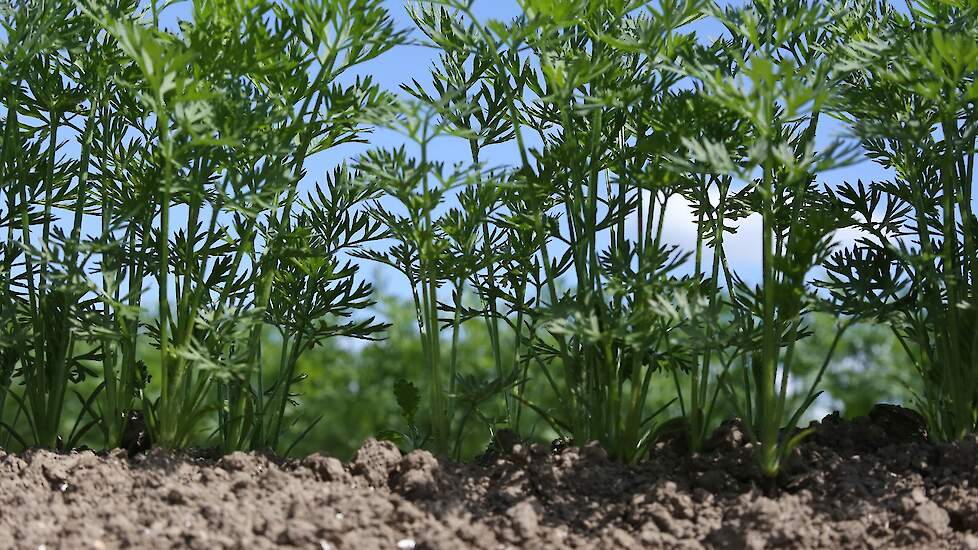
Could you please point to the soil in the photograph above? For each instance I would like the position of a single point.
(875, 482)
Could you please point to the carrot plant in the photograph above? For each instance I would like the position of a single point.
(470, 97)
(910, 97)
(434, 246)
(192, 145)
(570, 86)
(44, 290)
(777, 73)
(232, 132)
(717, 207)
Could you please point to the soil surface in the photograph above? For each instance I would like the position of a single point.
(875, 482)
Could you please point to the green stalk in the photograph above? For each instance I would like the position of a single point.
(49, 189)
(110, 286)
(960, 406)
(492, 317)
(285, 369)
(169, 374)
(58, 380)
(700, 430)
(514, 119)
(9, 165)
(636, 403)
(696, 408)
(453, 361)
(264, 290)
(45, 370)
(123, 389)
(288, 367)
(768, 423)
(264, 287)
(83, 187)
(518, 337)
(441, 421)
(185, 296)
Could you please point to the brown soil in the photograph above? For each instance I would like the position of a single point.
(875, 482)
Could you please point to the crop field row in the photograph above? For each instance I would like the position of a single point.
(163, 272)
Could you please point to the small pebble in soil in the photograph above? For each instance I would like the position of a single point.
(406, 544)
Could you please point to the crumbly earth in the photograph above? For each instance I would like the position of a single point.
(875, 482)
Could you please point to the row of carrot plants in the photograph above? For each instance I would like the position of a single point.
(155, 210)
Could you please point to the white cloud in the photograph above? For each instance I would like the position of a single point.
(743, 247)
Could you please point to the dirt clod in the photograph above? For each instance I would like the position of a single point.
(375, 461)
(325, 468)
(417, 475)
